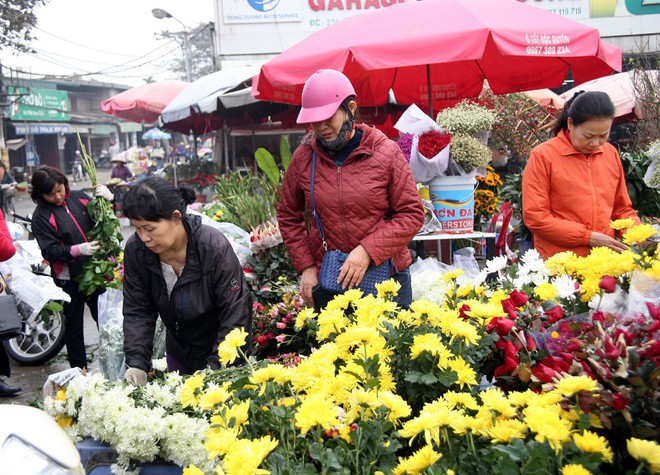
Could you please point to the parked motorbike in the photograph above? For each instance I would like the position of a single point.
(103, 160)
(38, 299)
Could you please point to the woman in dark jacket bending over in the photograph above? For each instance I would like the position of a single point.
(183, 270)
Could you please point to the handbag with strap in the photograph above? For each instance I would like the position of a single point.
(10, 319)
(334, 259)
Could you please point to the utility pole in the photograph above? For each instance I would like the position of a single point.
(4, 153)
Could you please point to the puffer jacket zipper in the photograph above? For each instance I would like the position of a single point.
(341, 207)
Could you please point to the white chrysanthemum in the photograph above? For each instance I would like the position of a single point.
(159, 364)
(183, 441)
(427, 286)
(480, 278)
(539, 278)
(496, 264)
(523, 279)
(565, 285)
(531, 256)
(160, 395)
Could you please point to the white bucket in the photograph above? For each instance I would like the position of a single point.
(453, 202)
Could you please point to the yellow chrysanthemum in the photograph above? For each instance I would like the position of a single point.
(452, 275)
(485, 310)
(331, 322)
(505, 430)
(546, 291)
(645, 450)
(247, 455)
(574, 469)
(192, 470)
(397, 406)
(389, 287)
(356, 336)
(233, 416)
(574, 384)
(466, 375)
(546, 423)
(228, 348)
(591, 442)
(495, 400)
(191, 390)
(317, 409)
(219, 440)
(426, 342)
(304, 315)
(621, 223)
(424, 309)
(466, 400)
(639, 234)
(64, 421)
(213, 397)
(61, 394)
(417, 462)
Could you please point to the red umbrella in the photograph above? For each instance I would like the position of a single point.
(452, 45)
(143, 103)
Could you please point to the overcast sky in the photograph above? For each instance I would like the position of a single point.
(114, 39)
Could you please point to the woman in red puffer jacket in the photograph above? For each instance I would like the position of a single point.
(364, 191)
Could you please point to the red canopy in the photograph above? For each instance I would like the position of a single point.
(452, 45)
(143, 103)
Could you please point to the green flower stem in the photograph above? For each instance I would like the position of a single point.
(247, 361)
(319, 440)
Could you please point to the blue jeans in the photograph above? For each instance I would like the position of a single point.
(322, 297)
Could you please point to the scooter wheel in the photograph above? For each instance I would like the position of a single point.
(39, 342)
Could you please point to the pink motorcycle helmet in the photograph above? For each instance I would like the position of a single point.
(323, 93)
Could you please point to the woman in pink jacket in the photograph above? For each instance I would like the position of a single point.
(364, 192)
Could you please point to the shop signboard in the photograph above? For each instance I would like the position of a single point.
(31, 155)
(268, 27)
(38, 104)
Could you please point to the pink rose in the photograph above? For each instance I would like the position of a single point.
(608, 283)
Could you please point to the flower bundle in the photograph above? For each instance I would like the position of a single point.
(486, 196)
(101, 269)
(652, 175)
(469, 154)
(432, 142)
(405, 142)
(466, 118)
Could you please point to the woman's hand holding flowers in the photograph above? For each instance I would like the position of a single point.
(600, 239)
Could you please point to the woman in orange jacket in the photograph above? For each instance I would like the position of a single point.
(574, 184)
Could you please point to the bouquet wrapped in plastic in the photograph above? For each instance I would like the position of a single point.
(429, 153)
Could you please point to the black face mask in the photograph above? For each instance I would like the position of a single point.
(342, 138)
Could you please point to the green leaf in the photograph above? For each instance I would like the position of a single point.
(285, 151)
(267, 164)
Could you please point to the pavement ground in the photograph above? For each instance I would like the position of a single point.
(32, 378)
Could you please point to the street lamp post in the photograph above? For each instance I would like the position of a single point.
(160, 14)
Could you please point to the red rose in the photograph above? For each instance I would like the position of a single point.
(654, 310)
(462, 312)
(543, 373)
(655, 326)
(501, 325)
(510, 308)
(598, 316)
(611, 351)
(519, 298)
(554, 314)
(510, 363)
(627, 336)
(620, 402)
(568, 357)
(531, 344)
(556, 363)
(608, 283)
